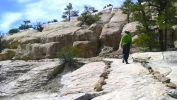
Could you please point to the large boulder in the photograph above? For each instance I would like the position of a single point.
(54, 41)
(175, 43)
(111, 32)
(96, 28)
(87, 48)
(81, 81)
(21, 77)
(7, 54)
(63, 35)
(37, 51)
(131, 27)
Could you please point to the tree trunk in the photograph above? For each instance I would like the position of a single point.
(69, 15)
(128, 17)
(161, 39)
(165, 44)
(144, 16)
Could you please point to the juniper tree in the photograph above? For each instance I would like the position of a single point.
(87, 17)
(160, 13)
(67, 13)
(25, 25)
(126, 8)
(165, 18)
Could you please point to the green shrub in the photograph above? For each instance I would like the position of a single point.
(100, 13)
(12, 31)
(88, 18)
(2, 43)
(68, 55)
(147, 41)
(39, 27)
(55, 20)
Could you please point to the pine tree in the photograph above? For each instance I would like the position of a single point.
(165, 19)
(126, 8)
(160, 13)
(67, 13)
(86, 16)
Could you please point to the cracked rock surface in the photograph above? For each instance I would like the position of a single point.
(124, 82)
(21, 77)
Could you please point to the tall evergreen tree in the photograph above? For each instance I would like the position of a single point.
(126, 8)
(25, 25)
(160, 13)
(165, 18)
(67, 13)
(87, 17)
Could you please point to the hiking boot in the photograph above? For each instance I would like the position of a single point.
(126, 62)
(122, 60)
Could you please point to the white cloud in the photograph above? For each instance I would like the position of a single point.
(23, 1)
(47, 10)
(53, 9)
(8, 19)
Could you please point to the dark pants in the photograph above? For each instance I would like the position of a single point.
(125, 52)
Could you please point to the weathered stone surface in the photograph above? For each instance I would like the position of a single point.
(121, 19)
(53, 41)
(175, 43)
(82, 80)
(66, 33)
(111, 32)
(7, 54)
(96, 28)
(87, 48)
(60, 25)
(86, 35)
(21, 77)
(37, 51)
(124, 80)
(171, 85)
(131, 27)
(121, 82)
(62, 35)
(105, 18)
(164, 62)
(14, 40)
(29, 40)
(154, 56)
(105, 49)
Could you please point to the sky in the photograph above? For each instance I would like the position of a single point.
(14, 12)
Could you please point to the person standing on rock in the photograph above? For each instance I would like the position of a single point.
(125, 44)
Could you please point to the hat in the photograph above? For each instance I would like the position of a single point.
(127, 31)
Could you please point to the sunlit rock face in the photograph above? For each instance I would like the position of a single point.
(18, 77)
(31, 44)
(30, 80)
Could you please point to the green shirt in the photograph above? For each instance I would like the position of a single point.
(126, 38)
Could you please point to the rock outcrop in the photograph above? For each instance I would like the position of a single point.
(111, 32)
(31, 44)
(21, 77)
(131, 27)
(124, 82)
(175, 43)
(7, 54)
